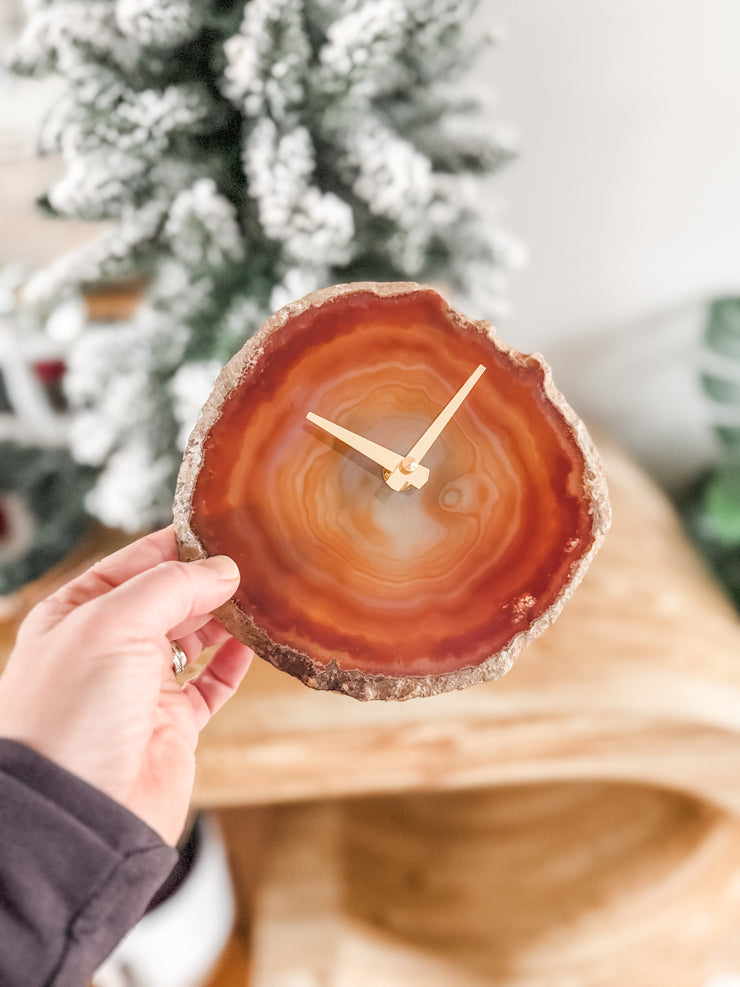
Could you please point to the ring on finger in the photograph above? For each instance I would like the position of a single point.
(179, 658)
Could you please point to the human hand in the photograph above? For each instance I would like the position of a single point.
(90, 684)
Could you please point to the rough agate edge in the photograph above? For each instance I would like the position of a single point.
(329, 673)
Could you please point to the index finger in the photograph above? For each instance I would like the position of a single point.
(143, 554)
(152, 603)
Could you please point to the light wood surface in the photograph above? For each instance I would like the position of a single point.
(638, 680)
(576, 823)
(556, 885)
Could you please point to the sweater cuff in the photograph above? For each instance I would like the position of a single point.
(77, 871)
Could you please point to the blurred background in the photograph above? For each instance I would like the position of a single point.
(627, 199)
(624, 196)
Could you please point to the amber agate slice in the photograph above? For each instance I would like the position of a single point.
(347, 584)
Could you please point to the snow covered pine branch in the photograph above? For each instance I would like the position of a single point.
(241, 155)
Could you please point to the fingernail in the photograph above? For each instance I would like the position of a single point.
(221, 566)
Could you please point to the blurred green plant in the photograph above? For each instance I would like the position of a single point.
(711, 508)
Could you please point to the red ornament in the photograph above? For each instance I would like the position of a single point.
(49, 372)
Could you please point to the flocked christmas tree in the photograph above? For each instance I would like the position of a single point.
(243, 154)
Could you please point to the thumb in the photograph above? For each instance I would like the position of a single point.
(157, 600)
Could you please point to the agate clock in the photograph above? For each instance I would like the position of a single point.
(408, 499)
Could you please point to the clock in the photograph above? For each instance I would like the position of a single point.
(409, 500)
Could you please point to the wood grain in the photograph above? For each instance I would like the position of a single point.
(611, 860)
(637, 681)
(574, 885)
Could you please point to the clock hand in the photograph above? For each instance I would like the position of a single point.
(431, 435)
(390, 461)
(377, 453)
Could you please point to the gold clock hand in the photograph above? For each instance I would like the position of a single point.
(412, 461)
(376, 453)
(425, 443)
(431, 435)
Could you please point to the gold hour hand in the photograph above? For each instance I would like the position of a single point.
(378, 454)
(434, 431)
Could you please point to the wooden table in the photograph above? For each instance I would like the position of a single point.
(574, 824)
(638, 680)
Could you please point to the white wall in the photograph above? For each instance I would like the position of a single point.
(626, 194)
(627, 191)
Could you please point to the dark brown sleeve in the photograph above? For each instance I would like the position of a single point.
(77, 870)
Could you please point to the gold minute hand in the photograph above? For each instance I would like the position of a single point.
(434, 431)
(376, 453)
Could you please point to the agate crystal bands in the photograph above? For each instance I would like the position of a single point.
(352, 586)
